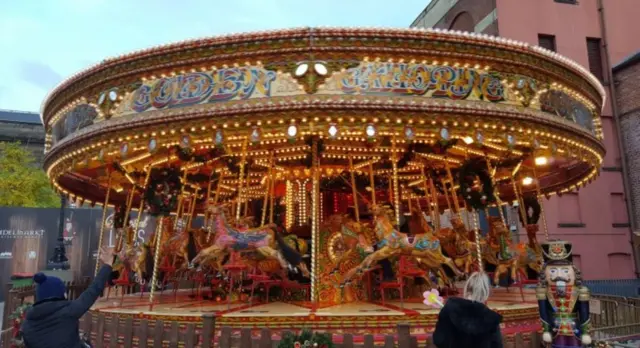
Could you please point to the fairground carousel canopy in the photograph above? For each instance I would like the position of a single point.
(244, 108)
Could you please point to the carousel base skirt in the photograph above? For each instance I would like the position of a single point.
(357, 318)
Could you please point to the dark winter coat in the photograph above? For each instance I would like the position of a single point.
(467, 324)
(53, 323)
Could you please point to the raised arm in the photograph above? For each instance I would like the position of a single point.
(81, 305)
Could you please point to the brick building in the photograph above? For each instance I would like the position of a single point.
(626, 78)
(597, 34)
(24, 127)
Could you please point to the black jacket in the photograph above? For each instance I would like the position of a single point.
(467, 324)
(54, 323)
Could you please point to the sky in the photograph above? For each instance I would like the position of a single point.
(44, 41)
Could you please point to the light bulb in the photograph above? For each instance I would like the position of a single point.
(333, 130)
(292, 131)
(541, 161)
(527, 181)
(371, 131)
(468, 140)
(302, 69)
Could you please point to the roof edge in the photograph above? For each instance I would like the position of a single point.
(627, 62)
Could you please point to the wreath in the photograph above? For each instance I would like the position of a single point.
(530, 203)
(118, 217)
(16, 318)
(476, 198)
(306, 339)
(161, 194)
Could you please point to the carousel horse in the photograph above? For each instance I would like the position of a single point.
(498, 250)
(456, 244)
(531, 260)
(265, 240)
(424, 247)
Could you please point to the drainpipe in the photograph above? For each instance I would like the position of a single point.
(623, 152)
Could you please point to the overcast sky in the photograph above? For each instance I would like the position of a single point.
(44, 41)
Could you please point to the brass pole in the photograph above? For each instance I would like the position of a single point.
(241, 178)
(215, 200)
(434, 195)
(129, 203)
(409, 200)
(446, 194)
(425, 187)
(454, 195)
(104, 218)
(496, 193)
(354, 190)
(180, 199)
(520, 203)
(206, 202)
(156, 259)
(539, 198)
(476, 231)
(272, 184)
(192, 209)
(267, 192)
(144, 187)
(372, 184)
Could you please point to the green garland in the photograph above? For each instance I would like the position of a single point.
(306, 339)
(476, 198)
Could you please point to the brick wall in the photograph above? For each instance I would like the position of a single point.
(627, 82)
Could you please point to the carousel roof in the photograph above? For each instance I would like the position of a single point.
(429, 100)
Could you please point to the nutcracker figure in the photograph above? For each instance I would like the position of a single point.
(562, 300)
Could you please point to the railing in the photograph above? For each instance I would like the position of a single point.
(15, 297)
(112, 331)
(614, 287)
(614, 318)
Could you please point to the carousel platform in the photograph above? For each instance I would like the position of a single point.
(519, 310)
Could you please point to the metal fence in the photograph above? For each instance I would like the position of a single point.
(615, 287)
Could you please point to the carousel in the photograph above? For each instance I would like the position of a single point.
(325, 178)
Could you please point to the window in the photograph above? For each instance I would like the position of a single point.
(569, 211)
(547, 41)
(594, 50)
(618, 210)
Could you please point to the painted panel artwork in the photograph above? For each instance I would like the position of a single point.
(202, 87)
(448, 82)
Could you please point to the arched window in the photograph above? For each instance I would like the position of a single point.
(464, 22)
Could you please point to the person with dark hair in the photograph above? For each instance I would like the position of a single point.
(53, 321)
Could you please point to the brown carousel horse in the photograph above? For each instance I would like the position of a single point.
(456, 244)
(499, 251)
(424, 247)
(530, 254)
(264, 240)
(354, 237)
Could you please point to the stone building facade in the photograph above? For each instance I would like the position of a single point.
(600, 218)
(23, 127)
(626, 77)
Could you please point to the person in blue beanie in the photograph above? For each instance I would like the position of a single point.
(53, 321)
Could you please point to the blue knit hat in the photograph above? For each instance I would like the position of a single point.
(48, 287)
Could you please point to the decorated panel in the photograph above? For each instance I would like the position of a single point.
(377, 79)
(79, 117)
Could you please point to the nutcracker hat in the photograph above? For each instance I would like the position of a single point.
(557, 252)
